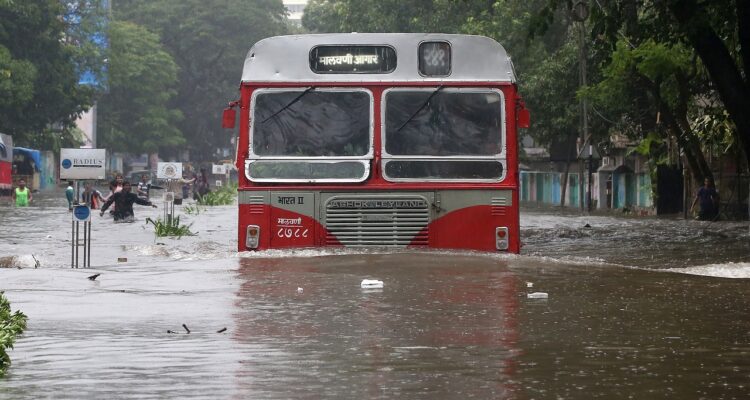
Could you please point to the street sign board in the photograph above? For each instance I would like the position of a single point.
(218, 169)
(169, 170)
(81, 213)
(83, 164)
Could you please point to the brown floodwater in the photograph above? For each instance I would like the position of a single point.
(635, 308)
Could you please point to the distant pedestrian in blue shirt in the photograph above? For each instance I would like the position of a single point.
(708, 199)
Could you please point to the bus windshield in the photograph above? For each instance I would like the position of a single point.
(311, 123)
(443, 134)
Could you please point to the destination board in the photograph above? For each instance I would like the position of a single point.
(352, 59)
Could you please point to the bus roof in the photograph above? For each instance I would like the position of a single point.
(287, 58)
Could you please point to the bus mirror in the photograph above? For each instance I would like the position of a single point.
(230, 115)
(524, 118)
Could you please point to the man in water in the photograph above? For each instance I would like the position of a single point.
(21, 194)
(123, 201)
(144, 186)
(91, 196)
(708, 198)
(70, 194)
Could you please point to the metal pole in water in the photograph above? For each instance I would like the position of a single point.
(72, 242)
(89, 257)
(76, 243)
(85, 237)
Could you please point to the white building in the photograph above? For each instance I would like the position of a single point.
(296, 9)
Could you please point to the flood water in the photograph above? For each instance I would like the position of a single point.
(636, 308)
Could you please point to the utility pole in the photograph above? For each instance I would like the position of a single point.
(580, 13)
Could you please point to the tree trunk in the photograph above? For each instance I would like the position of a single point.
(677, 122)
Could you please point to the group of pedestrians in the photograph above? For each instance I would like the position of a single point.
(120, 198)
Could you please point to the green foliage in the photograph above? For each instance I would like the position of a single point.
(222, 196)
(170, 227)
(39, 73)
(209, 42)
(192, 210)
(135, 115)
(11, 325)
(550, 92)
(652, 147)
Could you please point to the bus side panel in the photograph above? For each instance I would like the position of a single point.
(467, 228)
(293, 221)
(474, 228)
(254, 215)
(468, 219)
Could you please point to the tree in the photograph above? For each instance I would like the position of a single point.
(656, 79)
(209, 45)
(38, 74)
(712, 38)
(135, 115)
(718, 31)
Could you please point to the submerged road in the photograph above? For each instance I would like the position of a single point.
(636, 308)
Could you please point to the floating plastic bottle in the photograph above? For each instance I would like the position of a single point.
(537, 295)
(371, 284)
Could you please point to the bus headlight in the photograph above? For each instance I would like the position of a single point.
(501, 238)
(252, 239)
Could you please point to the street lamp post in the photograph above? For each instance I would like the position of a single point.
(580, 12)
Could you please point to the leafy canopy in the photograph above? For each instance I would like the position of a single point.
(135, 115)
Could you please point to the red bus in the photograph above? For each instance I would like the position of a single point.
(6, 164)
(398, 140)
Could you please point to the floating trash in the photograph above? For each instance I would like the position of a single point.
(300, 290)
(371, 284)
(537, 295)
(529, 284)
(122, 259)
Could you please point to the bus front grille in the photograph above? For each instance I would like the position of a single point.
(377, 221)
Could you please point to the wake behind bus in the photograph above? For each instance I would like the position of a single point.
(378, 140)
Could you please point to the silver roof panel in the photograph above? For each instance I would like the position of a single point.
(286, 58)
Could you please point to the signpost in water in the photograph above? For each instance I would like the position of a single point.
(81, 213)
(169, 171)
(76, 165)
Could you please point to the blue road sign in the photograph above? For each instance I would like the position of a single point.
(81, 213)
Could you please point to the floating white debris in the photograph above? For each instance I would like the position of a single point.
(529, 284)
(537, 295)
(300, 290)
(371, 284)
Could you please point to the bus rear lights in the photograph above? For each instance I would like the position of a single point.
(501, 238)
(253, 237)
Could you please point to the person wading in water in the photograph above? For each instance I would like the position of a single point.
(91, 196)
(123, 201)
(21, 194)
(708, 199)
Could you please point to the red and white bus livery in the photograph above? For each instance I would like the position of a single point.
(405, 140)
(6, 165)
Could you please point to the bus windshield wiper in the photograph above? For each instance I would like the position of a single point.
(296, 99)
(426, 102)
